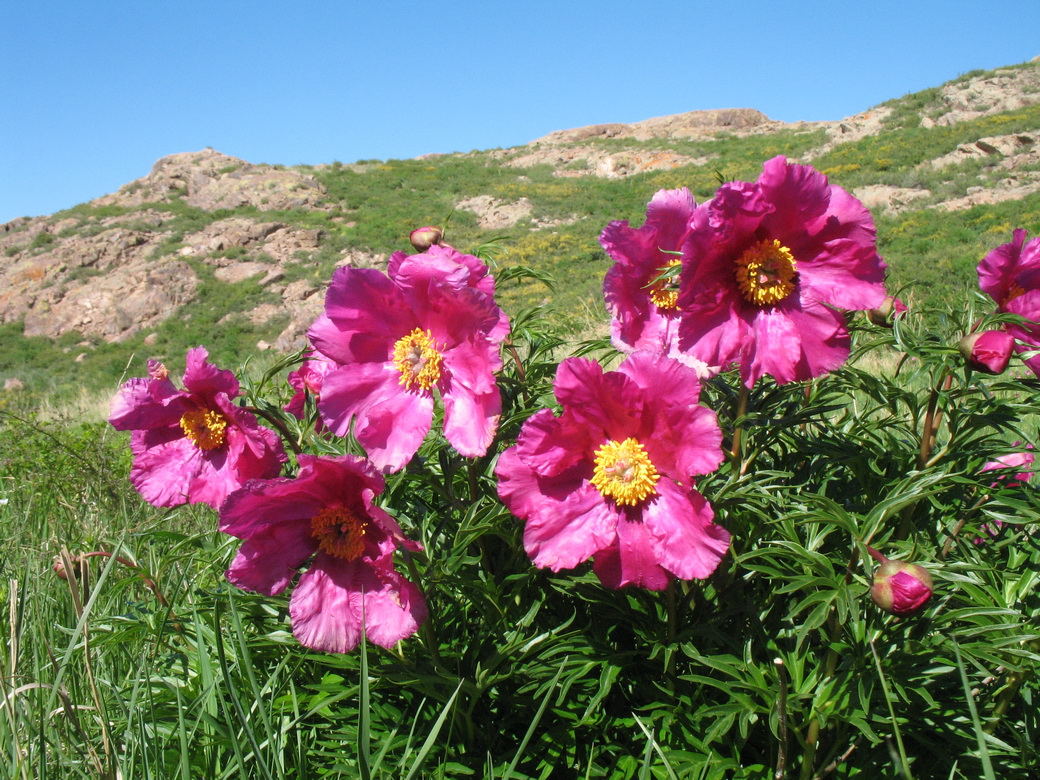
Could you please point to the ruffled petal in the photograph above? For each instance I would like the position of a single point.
(165, 466)
(267, 562)
(685, 540)
(631, 559)
(335, 600)
(204, 379)
(390, 422)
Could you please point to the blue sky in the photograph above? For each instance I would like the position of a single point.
(94, 92)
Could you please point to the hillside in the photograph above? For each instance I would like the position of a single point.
(208, 248)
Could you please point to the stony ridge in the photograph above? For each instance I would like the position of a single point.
(115, 278)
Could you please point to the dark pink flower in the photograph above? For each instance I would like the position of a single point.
(1010, 461)
(610, 479)
(430, 326)
(901, 588)
(644, 307)
(1005, 463)
(1010, 275)
(307, 380)
(770, 265)
(326, 516)
(193, 445)
(988, 351)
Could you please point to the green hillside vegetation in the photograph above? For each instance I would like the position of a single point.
(931, 253)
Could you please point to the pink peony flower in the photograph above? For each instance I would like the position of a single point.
(431, 326)
(1010, 275)
(770, 263)
(326, 516)
(610, 479)
(192, 445)
(644, 308)
(901, 588)
(988, 351)
(1012, 460)
(308, 379)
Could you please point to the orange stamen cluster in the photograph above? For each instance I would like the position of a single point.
(339, 532)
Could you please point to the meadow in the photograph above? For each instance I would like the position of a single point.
(129, 654)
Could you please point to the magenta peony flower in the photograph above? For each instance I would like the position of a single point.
(192, 445)
(769, 264)
(644, 308)
(1010, 275)
(901, 588)
(431, 326)
(326, 516)
(1005, 463)
(1013, 460)
(988, 351)
(308, 379)
(610, 479)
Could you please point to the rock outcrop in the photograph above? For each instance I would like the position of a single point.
(209, 180)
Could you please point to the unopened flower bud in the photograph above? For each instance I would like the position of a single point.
(59, 565)
(890, 307)
(988, 351)
(425, 237)
(901, 588)
(157, 370)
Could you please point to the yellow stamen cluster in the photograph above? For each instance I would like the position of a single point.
(418, 360)
(339, 532)
(206, 428)
(664, 292)
(766, 272)
(624, 472)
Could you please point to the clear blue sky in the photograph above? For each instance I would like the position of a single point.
(92, 93)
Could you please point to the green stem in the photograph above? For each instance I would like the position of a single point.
(738, 430)
(830, 665)
(426, 630)
(1014, 685)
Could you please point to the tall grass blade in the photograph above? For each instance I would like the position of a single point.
(980, 734)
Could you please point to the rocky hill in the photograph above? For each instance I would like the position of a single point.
(208, 241)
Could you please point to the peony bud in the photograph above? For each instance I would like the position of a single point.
(988, 351)
(901, 588)
(883, 315)
(425, 237)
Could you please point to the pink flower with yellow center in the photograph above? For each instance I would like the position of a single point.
(193, 445)
(1010, 275)
(770, 265)
(326, 516)
(430, 327)
(611, 477)
(642, 287)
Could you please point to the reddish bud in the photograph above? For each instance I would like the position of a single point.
(883, 315)
(425, 237)
(59, 565)
(901, 588)
(988, 351)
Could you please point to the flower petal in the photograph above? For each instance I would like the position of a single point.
(686, 541)
(335, 600)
